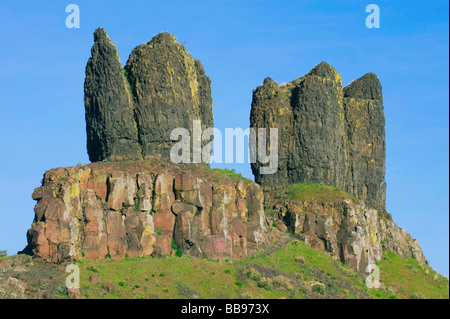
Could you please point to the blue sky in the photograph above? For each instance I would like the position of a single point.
(240, 43)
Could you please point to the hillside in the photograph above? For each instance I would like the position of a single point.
(294, 270)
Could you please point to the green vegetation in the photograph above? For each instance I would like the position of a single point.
(268, 274)
(92, 269)
(230, 173)
(318, 288)
(178, 252)
(61, 291)
(317, 192)
(3, 253)
(77, 261)
(410, 279)
(273, 273)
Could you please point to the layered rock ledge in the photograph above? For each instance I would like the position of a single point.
(329, 219)
(141, 208)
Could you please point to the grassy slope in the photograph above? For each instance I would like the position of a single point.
(317, 192)
(226, 172)
(272, 274)
(412, 280)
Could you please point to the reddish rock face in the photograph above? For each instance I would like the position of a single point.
(112, 210)
(136, 209)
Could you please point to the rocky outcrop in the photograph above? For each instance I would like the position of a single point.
(365, 137)
(140, 209)
(131, 112)
(346, 228)
(111, 129)
(170, 90)
(327, 134)
(131, 202)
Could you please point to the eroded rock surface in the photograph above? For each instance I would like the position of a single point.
(327, 134)
(128, 208)
(142, 208)
(110, 125)
(348, 229)
(131, 111)
(170, 90)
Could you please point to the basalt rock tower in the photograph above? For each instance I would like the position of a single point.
(131, 111)
(327, 134)
(122, 205)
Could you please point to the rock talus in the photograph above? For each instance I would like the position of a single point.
(348, 230)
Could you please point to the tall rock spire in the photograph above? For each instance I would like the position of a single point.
(363, 104)
(131, 112)
(110, 126)
(309, 115)
(170, 91)
(327, 134)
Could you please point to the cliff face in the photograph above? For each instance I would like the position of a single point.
(131, 112)
(343, 226)
(365, 136)
(327, 134)
(110, 125)
(142, 208)
(138, 209)
(130, 202)
(170, 90)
